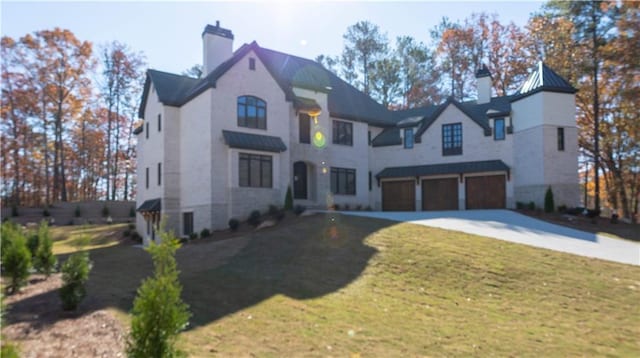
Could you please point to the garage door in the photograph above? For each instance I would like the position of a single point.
(399, 195)
(486, 192)
(440, 194)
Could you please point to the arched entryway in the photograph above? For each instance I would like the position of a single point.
(300, 182)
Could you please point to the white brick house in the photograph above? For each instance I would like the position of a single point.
(258, 121)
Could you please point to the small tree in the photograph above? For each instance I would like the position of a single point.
(44, 260)
(75, 273)
(288, 199)
(158, 312)
(548, 201)
(16, 258)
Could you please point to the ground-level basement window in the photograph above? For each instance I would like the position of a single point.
(343, 181)
(187, 223)
(255, 170)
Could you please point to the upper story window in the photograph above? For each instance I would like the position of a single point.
(252, 64)
(146, 178)
(159, 174)
(560, 139)
(252, 112)
(498, 129)
(408, 138)
(452, 139)
(342, 133)
(146, 132)
(255, 170)
(159, 122)
(343, 181)
(304, 128)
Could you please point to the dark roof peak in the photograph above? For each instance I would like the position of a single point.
(483, 71)
(217, 30)
(543, 78)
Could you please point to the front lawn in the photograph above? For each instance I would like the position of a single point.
(332, 285)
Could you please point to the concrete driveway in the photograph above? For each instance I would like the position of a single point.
(511, 226)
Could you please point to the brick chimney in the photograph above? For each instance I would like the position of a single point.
(217, 47)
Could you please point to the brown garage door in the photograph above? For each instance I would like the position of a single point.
(440, 194)
(399, 195)
(486, 192)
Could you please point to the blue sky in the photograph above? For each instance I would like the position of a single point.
(169, 33)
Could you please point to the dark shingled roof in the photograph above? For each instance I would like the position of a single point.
(448, 168)
(171, 88)
(389, 136)
(151, 205)
(345, 101)
(544, 78)
(253, 141)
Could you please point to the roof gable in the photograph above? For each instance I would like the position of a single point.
(471, 110)
(169, 87)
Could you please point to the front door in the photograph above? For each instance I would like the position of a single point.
(299, 180)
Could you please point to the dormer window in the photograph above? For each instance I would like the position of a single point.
(408, 138)
(498, 129)
(252, 112)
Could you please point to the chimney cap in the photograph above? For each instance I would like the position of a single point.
(217, 30)
(483, 72)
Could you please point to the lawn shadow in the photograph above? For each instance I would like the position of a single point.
(310, 258)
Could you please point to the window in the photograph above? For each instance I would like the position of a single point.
(408, 138)
(147, 131)
(560, 138)
(187, 223)
(369, 137)
(146, 178)
(342, 133)
(252, 64)
(370, 181)
(343, 181)
(159, 122)
(452, 139)
(498, 129)
(252, 112)
(255, 170)
(305, 128)
(159, 174)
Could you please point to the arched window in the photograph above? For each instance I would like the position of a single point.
(252, 112)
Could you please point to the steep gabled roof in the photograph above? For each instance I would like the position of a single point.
(543, 78)
(171, 88)
(345, 101)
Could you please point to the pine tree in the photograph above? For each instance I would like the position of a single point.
(158, 311)
(16, 258)
(44, 260)
(75, 273)
(549, 205)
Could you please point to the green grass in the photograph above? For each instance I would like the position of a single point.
(71, 238)
(354, 285)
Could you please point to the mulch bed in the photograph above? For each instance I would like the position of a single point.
(36, 323)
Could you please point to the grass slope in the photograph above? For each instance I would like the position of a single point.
(333, 285)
